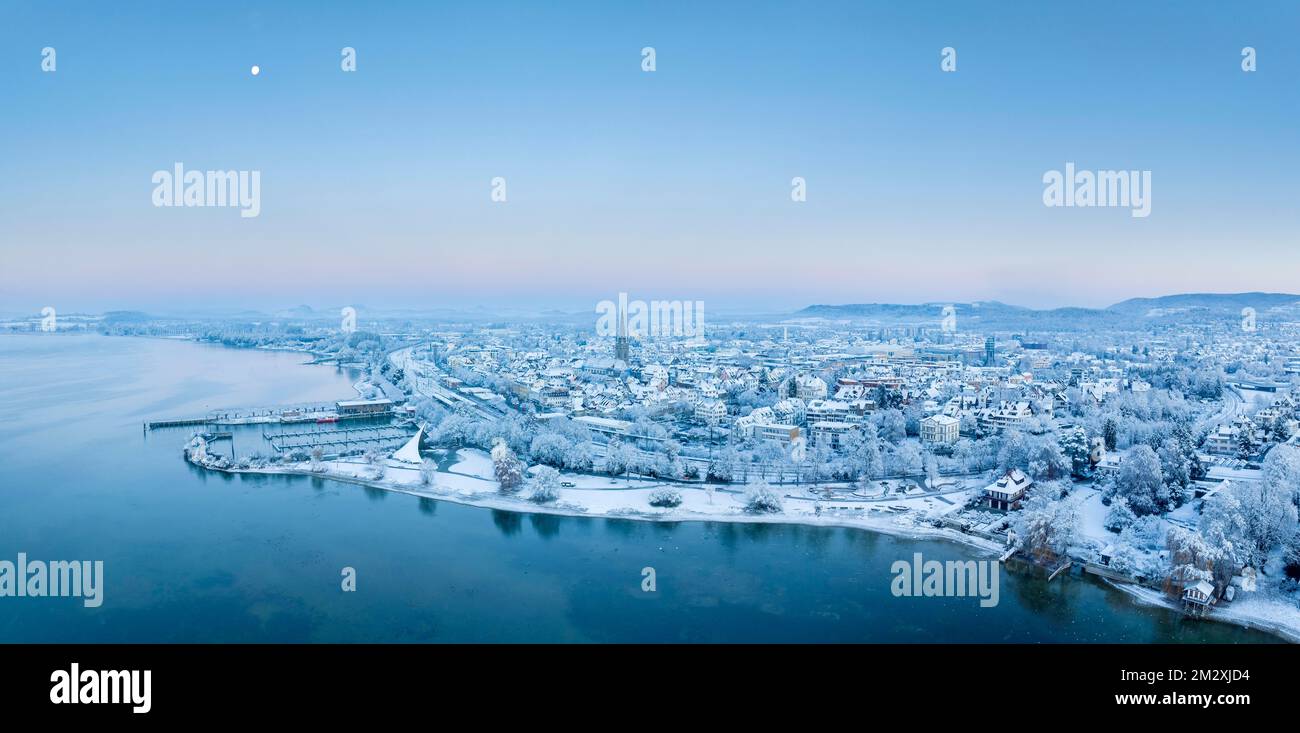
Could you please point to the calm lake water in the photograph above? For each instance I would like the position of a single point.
(195, 556)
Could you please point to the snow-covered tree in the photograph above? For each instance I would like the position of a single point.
(545, 485)
(580, 456)
(1175, 469)
(1250, 519)
(1141, 482)
(665, 496)
(1074, 445)
(1046, 527)
(1136, 549)
(1047, 462)
(428, 471)
(1281, 470)
(762, 499)
(723, 467)
(1110, 433)
(864, 453)
(1191, 559)
(549, 447)
(1119, 517)
(1014, 452)
(891, 425)
(903, 459)
(509, 471)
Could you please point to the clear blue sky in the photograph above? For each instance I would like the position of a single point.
(922, 185)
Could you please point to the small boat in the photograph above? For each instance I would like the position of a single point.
(320, 420)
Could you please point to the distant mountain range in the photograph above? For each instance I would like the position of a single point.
(1188, 307)
(986, 315)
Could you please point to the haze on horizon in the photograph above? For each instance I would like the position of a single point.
(923, 186)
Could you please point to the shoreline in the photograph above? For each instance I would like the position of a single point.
(1151, 597)
(512, 503)
(493, 499)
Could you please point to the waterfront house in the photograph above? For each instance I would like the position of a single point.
(1006, 493)
(1199, 595)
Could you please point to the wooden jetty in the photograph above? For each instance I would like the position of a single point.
(1056, 572)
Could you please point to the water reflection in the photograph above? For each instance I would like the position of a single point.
(508, 522)
(546, 525)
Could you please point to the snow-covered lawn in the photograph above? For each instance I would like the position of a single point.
(471, 480)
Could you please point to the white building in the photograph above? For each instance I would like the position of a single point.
(809, 388)
(831, 434)
(940, 429)
(827, 411)
(1223, 441)
(710, 412)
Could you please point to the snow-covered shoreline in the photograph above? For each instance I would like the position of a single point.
(1267, 615)
(469, 482)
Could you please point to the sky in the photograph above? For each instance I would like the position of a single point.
(376, 185)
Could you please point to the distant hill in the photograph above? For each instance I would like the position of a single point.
(115, 317)
(995, 315)
(1226, 302)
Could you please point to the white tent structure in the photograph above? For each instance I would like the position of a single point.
(410, 453)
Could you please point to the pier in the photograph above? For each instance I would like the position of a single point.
(181, 423)
(338, 439)
(299, 413)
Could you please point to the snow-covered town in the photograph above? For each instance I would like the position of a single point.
(1159, 455)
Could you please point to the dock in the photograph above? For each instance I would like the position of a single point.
(1064, 566)
(180, 423)
(288, 414)
(337, 439)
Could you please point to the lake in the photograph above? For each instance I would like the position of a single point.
(193, 556)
